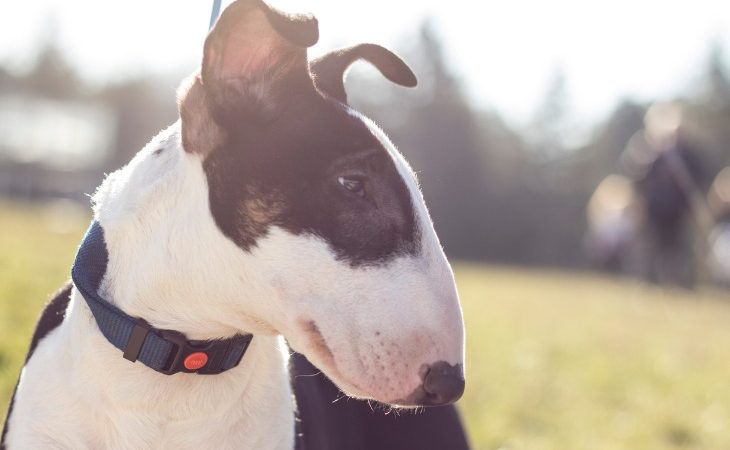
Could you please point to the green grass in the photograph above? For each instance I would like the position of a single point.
(36, 250)
(555, 360)
(559, 361)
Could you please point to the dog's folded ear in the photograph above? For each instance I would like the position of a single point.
(252, 48)
(329, 71)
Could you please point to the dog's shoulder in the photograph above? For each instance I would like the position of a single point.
(50, 319)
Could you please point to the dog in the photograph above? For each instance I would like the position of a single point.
(270, 210)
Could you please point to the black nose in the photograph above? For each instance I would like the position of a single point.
(443, 383)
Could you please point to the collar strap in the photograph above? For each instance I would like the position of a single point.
(165, 351)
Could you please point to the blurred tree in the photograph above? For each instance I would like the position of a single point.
(548, 129)
(52, 75)
(143, 107)
(600, 157)
(708, 111)
(6, 79)
(719, 80)
(445, 135)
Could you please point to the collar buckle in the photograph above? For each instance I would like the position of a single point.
(182, 348)
(202, 357)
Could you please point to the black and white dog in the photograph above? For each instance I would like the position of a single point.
(270, 209)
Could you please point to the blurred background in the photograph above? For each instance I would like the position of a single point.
(572, 155)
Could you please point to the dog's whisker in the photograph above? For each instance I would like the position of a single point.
(307, 375)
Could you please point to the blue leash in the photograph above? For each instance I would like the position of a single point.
(215, 12)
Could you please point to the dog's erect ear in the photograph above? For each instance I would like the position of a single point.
(329, 71)
(253, 59)
(251, 39)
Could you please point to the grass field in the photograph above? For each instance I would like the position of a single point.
(555, 360)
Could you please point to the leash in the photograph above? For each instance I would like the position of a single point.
(165, 351)
(215, 12)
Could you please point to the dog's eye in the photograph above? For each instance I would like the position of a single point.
(353, 184)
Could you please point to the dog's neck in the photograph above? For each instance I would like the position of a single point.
(168, 262)
(159, 236)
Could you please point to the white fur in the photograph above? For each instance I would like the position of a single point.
(170, 264)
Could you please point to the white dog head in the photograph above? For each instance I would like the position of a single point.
(326, 206)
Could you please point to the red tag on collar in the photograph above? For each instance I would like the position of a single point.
(195, 361)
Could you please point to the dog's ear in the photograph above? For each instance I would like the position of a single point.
(253, 58)
(329, 71)
(251, 41)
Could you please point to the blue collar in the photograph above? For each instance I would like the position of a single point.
(165, 351)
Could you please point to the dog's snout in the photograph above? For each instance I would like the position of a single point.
(443, 383)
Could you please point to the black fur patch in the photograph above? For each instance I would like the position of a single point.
(51, 317)
(283, 170)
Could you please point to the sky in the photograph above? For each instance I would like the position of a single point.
(506, 52)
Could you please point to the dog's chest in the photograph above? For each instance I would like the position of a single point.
(58, 415)
(77, 392)
(219, 432)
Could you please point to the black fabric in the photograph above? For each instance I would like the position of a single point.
(330, 421)
(51, 317)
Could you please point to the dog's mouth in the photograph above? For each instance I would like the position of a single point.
(438, 382)
(321, 355)
(318, 344)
